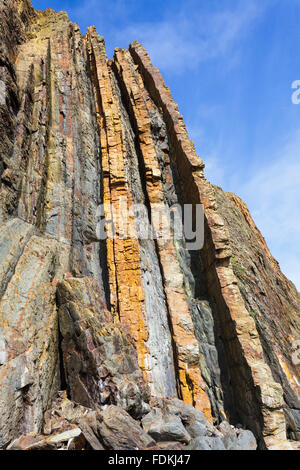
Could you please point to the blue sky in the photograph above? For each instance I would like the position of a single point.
(230, 65)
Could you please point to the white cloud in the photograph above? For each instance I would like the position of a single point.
(273, 196)
(102, 14)
(210, 151)
(270, 187)
(177, 40)
(192, 36)
(275, 190)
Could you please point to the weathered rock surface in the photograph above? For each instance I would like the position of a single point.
(206, 443)
(120, 432)
(99, 356)
(29, 370)
(164, 426)
(270, 298)
(70, 426)
(70, 440)
(125, 342)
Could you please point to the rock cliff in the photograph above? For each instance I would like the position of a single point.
(124, 341)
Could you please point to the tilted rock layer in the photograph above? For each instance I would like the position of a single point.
(132, 341)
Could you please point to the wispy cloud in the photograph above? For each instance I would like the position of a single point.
(101, 14)
(194, 35)
(208, 148)
(179, 40)
(272, 194)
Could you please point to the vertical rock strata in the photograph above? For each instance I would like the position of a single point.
(258, 397)
(191, 384)
(127, 321)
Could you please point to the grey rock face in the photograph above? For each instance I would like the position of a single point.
(190, 416)
(119, 431)
(29, 374)
(159, 343)
(246, 441)
(237, 438)
(163, 426)
(14, 234)
(206, 443)
(99, 356)
(229, 435)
